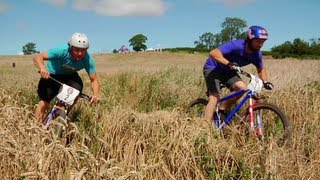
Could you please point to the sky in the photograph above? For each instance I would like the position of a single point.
(109, 24)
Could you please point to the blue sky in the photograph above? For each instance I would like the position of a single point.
(166, 23)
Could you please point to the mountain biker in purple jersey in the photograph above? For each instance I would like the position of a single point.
(224, 62)
(62, 63)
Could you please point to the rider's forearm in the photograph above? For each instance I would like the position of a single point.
(263, 74)
(39, 61)
(95, 87)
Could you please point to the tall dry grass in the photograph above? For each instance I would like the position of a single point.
(139, 130)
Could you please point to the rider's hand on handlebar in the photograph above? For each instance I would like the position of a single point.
(94, 99)
(44, 73)
(268, 85)
(233, 66)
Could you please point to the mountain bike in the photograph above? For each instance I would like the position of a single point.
(57, 119)
(256, 119)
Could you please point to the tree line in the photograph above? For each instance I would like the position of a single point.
(231, 29)
(297, 49)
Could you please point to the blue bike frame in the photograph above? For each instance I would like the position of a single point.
(249, 95)
(50, 116)
(56, 107)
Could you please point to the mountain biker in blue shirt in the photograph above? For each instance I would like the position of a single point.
(223, 63)
(62, 63)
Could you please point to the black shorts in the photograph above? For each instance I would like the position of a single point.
(215, 78)
(48, 88)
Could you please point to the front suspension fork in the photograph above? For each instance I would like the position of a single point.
(258, 117)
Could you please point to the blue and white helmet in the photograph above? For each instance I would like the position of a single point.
(257, 32)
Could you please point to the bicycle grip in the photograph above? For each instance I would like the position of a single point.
(85, 96)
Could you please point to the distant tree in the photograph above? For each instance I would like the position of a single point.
(29, 48)
(315, 40)
(115, 51)
(315, 46)
(206, 41)
(201, 48)
(300, 47)
(284, 48)
(233, 28)
(282, 51)
(297, 49)
(217, 40)
(138, 42)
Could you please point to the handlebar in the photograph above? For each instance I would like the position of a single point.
(244, 73)
(255, 84)
(81, 95)
(85, 96)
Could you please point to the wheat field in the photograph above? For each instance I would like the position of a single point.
(139, 129)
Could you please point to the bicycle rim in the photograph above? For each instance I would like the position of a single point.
(196, 108)
(270, 125)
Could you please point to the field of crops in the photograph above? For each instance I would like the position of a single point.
(139, 129)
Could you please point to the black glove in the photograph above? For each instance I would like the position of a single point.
(233, 66)
(268, 85)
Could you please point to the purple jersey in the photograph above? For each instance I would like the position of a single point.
(234, 51)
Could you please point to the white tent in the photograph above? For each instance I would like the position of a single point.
(149, 49)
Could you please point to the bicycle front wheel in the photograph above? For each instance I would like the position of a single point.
(270, 124)
(58, 124)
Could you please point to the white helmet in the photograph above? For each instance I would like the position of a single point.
(79, 40)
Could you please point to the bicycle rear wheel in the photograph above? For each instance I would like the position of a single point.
(271, 124)
(196, 108)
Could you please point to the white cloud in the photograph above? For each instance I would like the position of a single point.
(3, 7)
(57, 3)
(122, 7)
(84, 5)
(116, 7)
(233, 2)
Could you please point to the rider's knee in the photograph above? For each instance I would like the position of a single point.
(240, 85)
(43, 104)
(214, 97)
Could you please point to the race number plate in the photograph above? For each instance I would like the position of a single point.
(68, 94)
